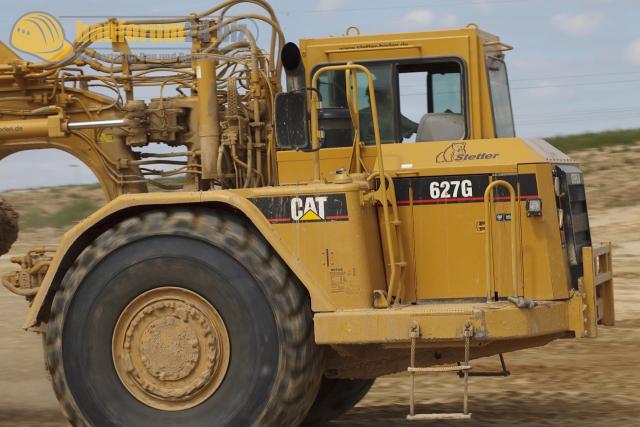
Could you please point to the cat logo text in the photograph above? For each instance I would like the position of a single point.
(305, 208)
(308, 208)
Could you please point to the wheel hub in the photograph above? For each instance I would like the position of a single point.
(171, 348)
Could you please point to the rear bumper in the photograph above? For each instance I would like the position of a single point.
(445, 322)
(442, 323)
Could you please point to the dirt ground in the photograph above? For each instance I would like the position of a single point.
(568, 382)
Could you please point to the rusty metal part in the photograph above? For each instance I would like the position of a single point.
(8, 226)
(171, 349)
(33, 267)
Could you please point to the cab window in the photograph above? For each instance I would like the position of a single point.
(332, 88)
(418, 101)
(500, 98)
(431, 102)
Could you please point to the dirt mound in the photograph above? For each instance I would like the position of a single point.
(8, 226)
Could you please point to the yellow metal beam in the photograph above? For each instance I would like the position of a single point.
(446, 321)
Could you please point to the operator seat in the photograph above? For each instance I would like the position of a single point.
(441, 127)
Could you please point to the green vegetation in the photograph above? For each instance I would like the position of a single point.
(595, 140)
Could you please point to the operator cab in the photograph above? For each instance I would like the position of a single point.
(419, 100)
(430, 87)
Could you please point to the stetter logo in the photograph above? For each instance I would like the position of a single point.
(457, 152)
(303, 209)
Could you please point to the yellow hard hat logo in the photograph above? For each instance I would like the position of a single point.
(41, 35)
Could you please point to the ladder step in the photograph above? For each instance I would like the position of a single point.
(453, 368)
(439, 417)
(462, 368)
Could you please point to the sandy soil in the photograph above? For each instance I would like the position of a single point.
(568, 382)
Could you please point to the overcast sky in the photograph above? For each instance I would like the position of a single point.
(576, 66)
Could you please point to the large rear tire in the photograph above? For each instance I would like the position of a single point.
(182, 318)
(8, 226)
(336, 397)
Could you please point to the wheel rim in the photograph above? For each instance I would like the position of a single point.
(170, 349)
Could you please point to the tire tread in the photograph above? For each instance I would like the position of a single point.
(300, 371)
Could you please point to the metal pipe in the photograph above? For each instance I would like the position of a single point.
(208, 117)
(293, 66)
(96, 124)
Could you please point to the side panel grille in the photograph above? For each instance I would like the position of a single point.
(573, 202)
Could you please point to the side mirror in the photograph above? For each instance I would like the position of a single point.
(292, 128)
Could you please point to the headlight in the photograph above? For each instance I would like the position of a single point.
(534, 207)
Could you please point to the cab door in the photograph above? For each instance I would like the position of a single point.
(443, 235)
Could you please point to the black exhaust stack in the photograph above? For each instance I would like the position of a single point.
(293, 67)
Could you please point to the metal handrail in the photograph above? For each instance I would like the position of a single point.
(384, 199)
(490, 276)
(352, 102)
(394, 288)
(352, 98)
